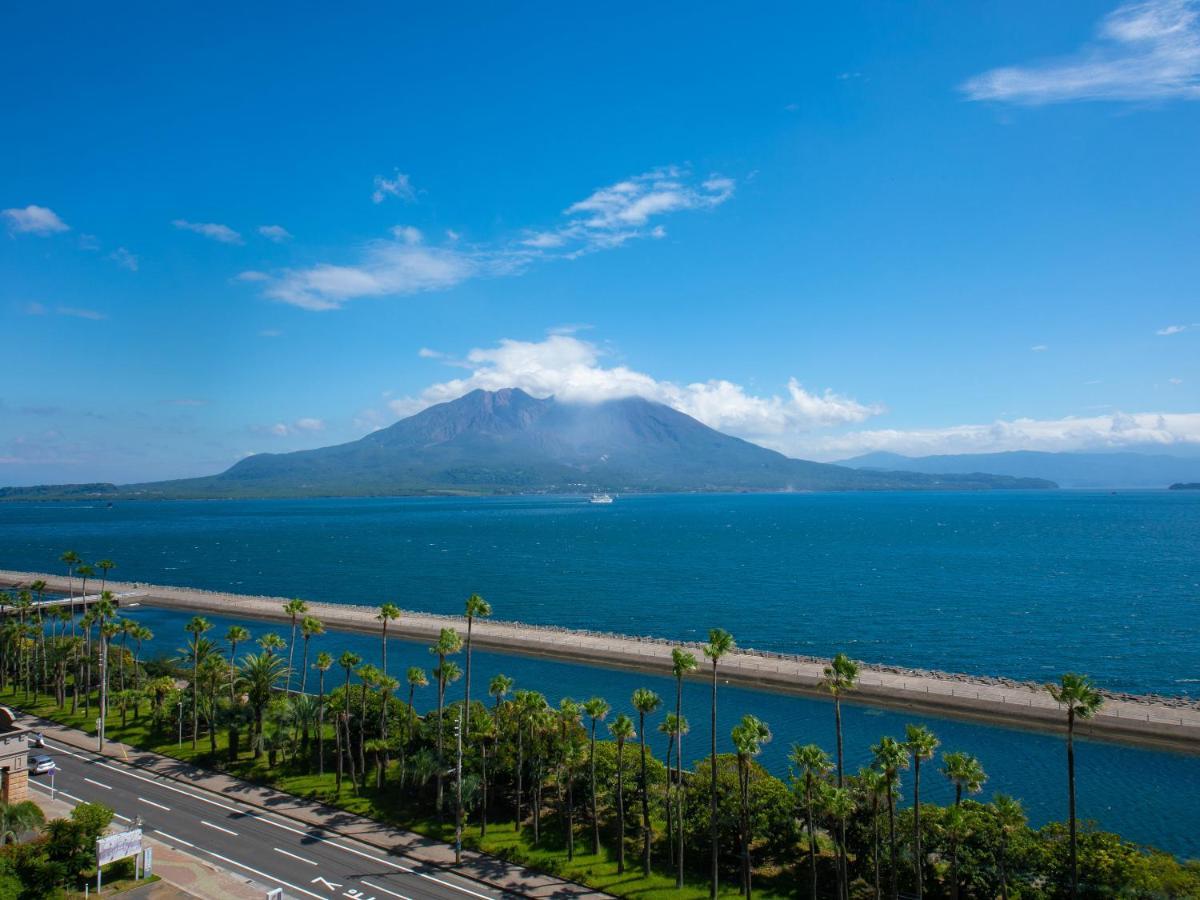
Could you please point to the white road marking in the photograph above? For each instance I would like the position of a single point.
(152, 803)
(294, 856)
(218, 827)
(377, 887)
(107, 787)
(234, 862)
(122, 818)
(158, 832)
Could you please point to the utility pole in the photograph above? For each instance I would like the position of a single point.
(458, 816)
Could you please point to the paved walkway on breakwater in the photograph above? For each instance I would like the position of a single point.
(1163, 722)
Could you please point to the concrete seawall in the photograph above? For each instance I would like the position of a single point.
(1166, 723)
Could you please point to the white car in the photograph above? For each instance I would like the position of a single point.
(40, 764)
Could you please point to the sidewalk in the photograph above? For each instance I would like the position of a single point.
(182, 875)
(485, 869)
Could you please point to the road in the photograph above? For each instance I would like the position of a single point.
(271, 849)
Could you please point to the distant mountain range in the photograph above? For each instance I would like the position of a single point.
(1068, 470)
(509, 442)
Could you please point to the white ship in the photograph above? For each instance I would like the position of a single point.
(601, 498)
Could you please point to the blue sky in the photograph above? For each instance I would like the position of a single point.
(914, 227)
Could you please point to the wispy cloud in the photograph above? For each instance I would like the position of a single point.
(214, 230)
(1142, 51)
(406, 264)
(270, 333)
(36, 220)
(284, 429)
(1171, 329)
(275, 233)
(1039, 348)
(80, 313)
(188, 401)
(124, 259)
(396, 186)
(574, 370)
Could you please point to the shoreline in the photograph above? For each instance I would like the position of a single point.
(1171, 723)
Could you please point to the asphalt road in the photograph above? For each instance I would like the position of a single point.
(272, 850)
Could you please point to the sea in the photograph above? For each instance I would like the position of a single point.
(1020, 584)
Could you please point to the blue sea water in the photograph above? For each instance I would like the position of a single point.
(1020, 584)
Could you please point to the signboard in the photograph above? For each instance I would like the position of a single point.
(112, 847)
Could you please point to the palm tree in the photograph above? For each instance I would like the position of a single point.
(415, 678)
(1082, 700)
(323, 664)
(748, 737)
(140, 634)
(389, 612)
(196, 628)
(719, 643)
(105, 566)
(18, 818)
(874, 784)
(921, 744)
(814, 764)
(310, 628)
(368, 677)
(840, 676)
(348, 660)
(294, 608)
(271, 643)
(966, 773)
(673, 726)
(484, 735)
(84, 572)
(257, 677)
(622, 730)
(108, 630)
(682, 663)
(234, 636)
(479, 608)
(568, 717)
(1010, 816)
(596, 709)
(71, 559)
(499, 688)
(645, 702)
(890, 757)
(449, 642)
(839, 806)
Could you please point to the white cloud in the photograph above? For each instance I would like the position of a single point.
(188, 401)
(426, 353)
(398, 186)
(251, 275)
(309, 424)
(1143, 51)
(124, 259)
(78, 313)
(1039, 348)
(34, 220)
(270, 333)
(89, 242)
(405, 264)
(572, 370)
(33, 308)
(275, 233)
(1109, 432)
(214, 230)
(1171, 329)
(1175, 380)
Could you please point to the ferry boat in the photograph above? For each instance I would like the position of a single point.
(601, 498)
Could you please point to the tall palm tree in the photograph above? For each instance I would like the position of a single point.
(196, 628)
(682, 663)
(839, 806)
(449, 642)
(323, 664)
(673, 726)
(748, 737)
(814, 764)
(105, 566)
(348, 660)
(874, 784)
(294, 608)
(499, 688)
(622, 730)
(389, 612)
(368, 678)
(719, 643)
(890, 757)
(71, 559)
(1082, 701)
(257, 676)
(84, 571)
(483, 736)
(1010, 816)
(921, 744)
(645, 702)
(387, 686)
(234, 636)
(108, 630)
(596, 709)
(966, 773)
(141, 634)
(477, 608)
(568, 716)
(840, 677)
(310, 628)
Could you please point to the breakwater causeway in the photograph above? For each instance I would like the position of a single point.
(1153, 721)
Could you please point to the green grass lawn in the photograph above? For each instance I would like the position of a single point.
(389, 806)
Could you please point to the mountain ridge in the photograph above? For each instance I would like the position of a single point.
(507, 441)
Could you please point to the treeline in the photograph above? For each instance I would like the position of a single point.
(582, 778)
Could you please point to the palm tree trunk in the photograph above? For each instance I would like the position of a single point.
(678, 782)
(875, 840)
(918, 862)
(467, 680)
(440, 762)
(620, 807)
(645, 801)
(1003, 869)
(712, 886)
(812, 834)
(195, 688)
(669, 806)
(521, 773)
(321, 724)
(1071, 799)
(892, 840)
(595, 816)
(744, 790)
(483, 790)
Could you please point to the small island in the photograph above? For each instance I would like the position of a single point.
(1185, 486)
